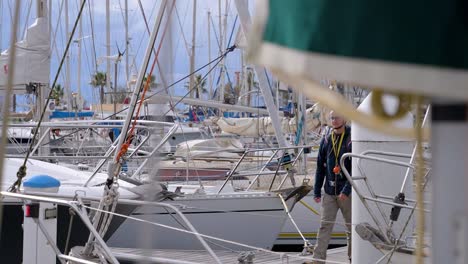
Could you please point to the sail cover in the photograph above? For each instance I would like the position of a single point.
(315, 117)
(32, 60)
(402, 46)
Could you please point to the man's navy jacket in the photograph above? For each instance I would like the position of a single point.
(326, 163)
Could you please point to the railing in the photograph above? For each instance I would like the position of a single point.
(78, 207)
(281, 162)
(376, 198)
(85, 124)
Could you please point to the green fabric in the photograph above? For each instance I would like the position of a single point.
(419, 32)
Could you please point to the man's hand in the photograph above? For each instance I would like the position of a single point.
(317, 199)
(342, 197)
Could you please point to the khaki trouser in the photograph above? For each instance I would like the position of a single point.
(329, 209)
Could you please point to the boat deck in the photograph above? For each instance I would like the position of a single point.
(338, 255)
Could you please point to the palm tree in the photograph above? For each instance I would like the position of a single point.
(99, 80)
(153, 83)
(57, 93)
(200, 83)
(230, 93)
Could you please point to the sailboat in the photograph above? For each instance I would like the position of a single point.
(209, 208)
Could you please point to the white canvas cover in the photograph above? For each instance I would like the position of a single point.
(32, 60)
(255, 127)
(213, 147)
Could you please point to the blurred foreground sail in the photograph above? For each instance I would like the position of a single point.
(417, 47)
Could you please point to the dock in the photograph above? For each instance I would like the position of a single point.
(337, 255)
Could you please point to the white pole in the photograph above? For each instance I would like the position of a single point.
(8, 93)
(192, 54)
(245, 21)
(221, 64)
(1, 24)
(67, 60)
(43, 89)
(303, 107)
(108, 50)
(277, 84)
(220, 28)
(80, 39)
(127, 72)
(222, 37)
(141, 75)
(449, 182)
(383, 179)
(210, 76)
(49, 16)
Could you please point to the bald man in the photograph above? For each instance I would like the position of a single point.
(337, 189)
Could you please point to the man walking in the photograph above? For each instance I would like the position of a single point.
(337, 189)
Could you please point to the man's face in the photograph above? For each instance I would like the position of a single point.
(337, 121)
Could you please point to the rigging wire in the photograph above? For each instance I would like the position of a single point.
(87, 57)
(147, 98)
(220, 58)
(129, 133)
(83, 43)
(182, 31)
(11, 16)
(280, 254)
(22, 169)
(54, 38)
(146, 23)
(216, 35)
(27, 19)
(92, 35)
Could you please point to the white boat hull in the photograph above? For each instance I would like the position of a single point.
(252, 219)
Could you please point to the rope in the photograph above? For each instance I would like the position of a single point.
(70, 225)
(419, 178)
(22, 170)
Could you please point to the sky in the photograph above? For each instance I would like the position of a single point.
(174, 53)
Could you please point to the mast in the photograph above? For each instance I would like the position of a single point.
(108, 64)
(80, 38)
(127, 72)
(244, 17)
(48, 15)
(41, 11)
(192, 55)
(210, 76)
(221, 64)
(8, 93)
(1, 24)
(67, 60)
(114, 166)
